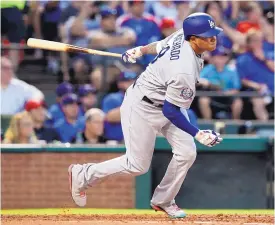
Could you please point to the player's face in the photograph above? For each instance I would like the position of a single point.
(206, 44)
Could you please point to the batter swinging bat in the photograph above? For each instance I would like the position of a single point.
(61, 47)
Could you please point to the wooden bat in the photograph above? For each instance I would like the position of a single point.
(62, 47)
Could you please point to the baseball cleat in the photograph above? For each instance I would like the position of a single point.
(173, 211)
(79, 196)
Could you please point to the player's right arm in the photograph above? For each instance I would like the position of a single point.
(131, 55)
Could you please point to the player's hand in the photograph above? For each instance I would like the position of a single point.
(131, 55)
(208, 138)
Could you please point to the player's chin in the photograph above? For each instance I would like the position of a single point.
(212, 47)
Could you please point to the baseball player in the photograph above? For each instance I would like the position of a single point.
(151, 106)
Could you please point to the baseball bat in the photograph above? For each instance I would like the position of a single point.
(62, 47)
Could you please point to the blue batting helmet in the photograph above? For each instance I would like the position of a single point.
(201, 25)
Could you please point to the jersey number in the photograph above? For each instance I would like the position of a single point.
(161, 53)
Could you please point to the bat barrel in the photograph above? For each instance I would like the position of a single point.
(47, 45)
(58, 46)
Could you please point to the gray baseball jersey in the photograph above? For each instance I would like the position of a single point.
(173, 74)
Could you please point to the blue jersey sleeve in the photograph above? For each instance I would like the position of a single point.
(174, 114)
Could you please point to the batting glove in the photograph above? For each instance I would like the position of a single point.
(131, 55)
(208, 138)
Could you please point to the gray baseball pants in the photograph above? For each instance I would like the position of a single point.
(141, 122)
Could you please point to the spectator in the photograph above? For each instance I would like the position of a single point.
(109, 37)
(70, 11)
(69, 126)
(268, 32)
(254, 15)
(21, 130)
(55, 110)
(14, 92)
(111, 106)
(87, 97)
(43, 131)
(120, 6)
(75, 32)
(167, 27)
(94, 128)
(46, 18)
(162, 9)
(220, 77)
(13, 26)
(257, 72)
(144, 25)
(215, 9)
(183, 10)
(103, 77)
(231, 10)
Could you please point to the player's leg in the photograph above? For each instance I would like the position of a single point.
(139, 140)
(184, 155)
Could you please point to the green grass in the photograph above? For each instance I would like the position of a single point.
(89, 211)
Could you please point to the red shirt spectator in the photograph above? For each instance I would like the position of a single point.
(254, 16)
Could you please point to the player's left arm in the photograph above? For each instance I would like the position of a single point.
(180, 94)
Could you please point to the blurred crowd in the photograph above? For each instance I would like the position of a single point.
(91, 88)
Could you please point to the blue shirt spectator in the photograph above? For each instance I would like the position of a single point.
(111, 104)
(110, 37)
(71, 125)
(77, 27)
(227, 79)
(145, 26)
(55, 110)
(251, 68)
(220, 74)
(257, 73)
(113, 131)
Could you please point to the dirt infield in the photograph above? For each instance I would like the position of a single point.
(159, 219)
